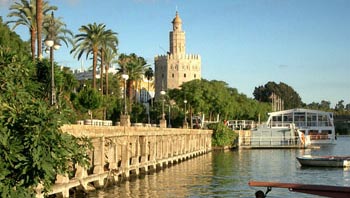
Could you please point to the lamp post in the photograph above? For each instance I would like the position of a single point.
(185, 125)
(125, 77)
(52, 45)
(169, 123)
(171, 103)
(185, 101)
(163, 93)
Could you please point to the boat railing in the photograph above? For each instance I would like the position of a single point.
(279, 124)
(270, 141)
(319, 137)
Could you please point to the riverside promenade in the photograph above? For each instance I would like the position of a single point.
(120, 152)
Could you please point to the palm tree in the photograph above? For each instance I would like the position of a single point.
(57, 30)
(134, 66)
(149, 75)
(90, 41)
(109, 58)
(109, 40)
(25, 12)
(39, 21)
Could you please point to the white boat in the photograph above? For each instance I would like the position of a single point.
(313, 126)
(324, 161)
(292, 128)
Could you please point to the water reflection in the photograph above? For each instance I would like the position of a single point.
(170, 182)
(226, 174)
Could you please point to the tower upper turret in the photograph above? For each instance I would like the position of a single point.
(177, 37)
(176, 67)
(177, 22)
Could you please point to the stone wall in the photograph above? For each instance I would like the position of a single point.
(123, 151)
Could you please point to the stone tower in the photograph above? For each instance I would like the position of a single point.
(176, 67)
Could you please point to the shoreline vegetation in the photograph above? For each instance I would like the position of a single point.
(32, 148)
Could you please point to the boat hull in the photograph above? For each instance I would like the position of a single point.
(324, 161)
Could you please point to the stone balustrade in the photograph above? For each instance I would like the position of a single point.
(120, 152)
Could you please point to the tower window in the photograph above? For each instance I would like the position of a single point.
(185, 75)
(172, 75)
(195, 76)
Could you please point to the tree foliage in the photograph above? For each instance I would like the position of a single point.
(33, 149)
(10, 40)
(222, 135)
(91, 39)
(25, 13)
(134, 66)
(213, 98)
(90, 99)
(290, 97)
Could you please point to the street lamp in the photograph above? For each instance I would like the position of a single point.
(163, 93)
(52, 45)
(185, 101)
(171, 103)
(125, 77)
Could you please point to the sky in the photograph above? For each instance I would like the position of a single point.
(246, 43)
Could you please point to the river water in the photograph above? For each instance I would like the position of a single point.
(226, 174)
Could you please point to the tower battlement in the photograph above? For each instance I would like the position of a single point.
(176, 67)
(173, 57)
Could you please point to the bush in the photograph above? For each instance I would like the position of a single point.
(222, 135)
(33, 149)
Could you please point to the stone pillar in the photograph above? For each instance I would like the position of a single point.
(99, 155)
(125, 120)
(185, 124)
(143, 152)
(113, 155)
(63, 179)
(162, 123)
(125, 159)
(80, 174)
(153, 152)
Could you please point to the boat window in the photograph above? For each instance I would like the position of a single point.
(326, 132)
(323, 120)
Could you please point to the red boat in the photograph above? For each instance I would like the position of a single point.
(321, 190)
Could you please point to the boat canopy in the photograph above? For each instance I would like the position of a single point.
(301, 118)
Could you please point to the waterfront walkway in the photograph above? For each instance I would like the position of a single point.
(120, 152)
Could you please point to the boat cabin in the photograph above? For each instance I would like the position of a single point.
(315, 125)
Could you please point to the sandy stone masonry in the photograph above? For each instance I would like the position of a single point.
(120, 152)
(176, 67)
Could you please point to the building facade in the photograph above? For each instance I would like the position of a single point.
(176, 67)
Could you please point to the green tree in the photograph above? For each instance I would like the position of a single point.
(110, 58)
(109, 42)
(290, 97)
(90, 99)
(56, 29)
(33, 149)
(134, 66)
(339, 107)
(222, 135)
(90, 41)
(149, 75)
(216, 98)
(324, 105)
(11, 40)
(26, 14)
